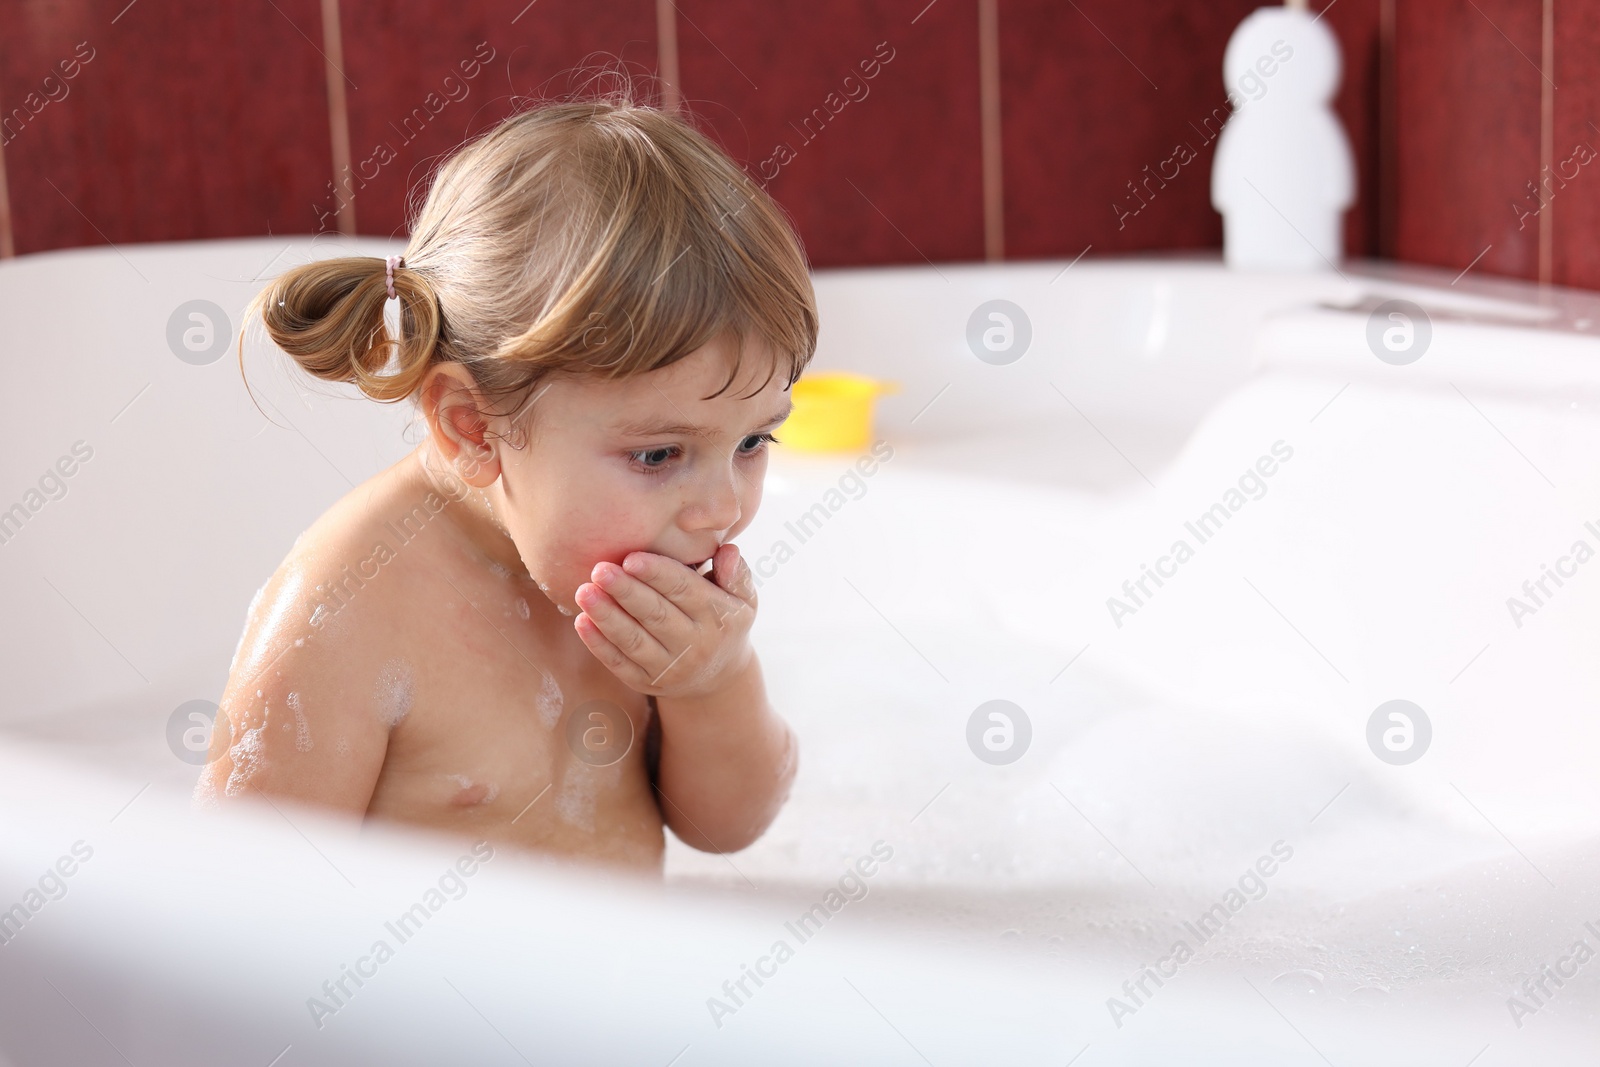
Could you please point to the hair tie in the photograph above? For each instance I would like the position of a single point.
(388, 273)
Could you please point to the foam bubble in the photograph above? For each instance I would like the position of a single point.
(394, 692)
(523, 609)
(248, 755)
(581, 786)
(302, 728)
(342, 747)
(205, 791)
(499, 571)
(575, 802)
(563, 609)
(550, 700)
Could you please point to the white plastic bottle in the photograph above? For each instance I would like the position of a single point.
(1283, 173)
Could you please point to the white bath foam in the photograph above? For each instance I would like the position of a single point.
(249, 756)
(302, 728)
(205, 791)
(550, 700)
(523, 609)
(499, 571)
(580, 785)
(394, 692)
(341, 747)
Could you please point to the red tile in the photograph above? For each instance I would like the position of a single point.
(188, 120)
(1092, 93)
(884, 169)
(1467, 98)
(1574, 198)
(431, 74)
(1356, 24)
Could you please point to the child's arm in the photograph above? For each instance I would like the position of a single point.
(727, 760)
(290, 724)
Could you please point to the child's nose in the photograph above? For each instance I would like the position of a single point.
(715, 505)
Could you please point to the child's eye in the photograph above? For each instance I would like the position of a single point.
(761, 441)
(655, 460)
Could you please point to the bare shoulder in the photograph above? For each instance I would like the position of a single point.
(301, 715)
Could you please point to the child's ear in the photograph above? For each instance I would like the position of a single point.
(460, 432)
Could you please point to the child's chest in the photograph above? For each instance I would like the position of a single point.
(521, 738)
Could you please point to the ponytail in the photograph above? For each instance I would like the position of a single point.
(328, 316)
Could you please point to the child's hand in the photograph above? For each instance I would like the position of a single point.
(665, 630)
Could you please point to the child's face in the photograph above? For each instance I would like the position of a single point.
(608, 470)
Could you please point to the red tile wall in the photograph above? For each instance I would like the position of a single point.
(1573, 202)
(193, 120)
(189, 119)
(1467, 93)
(448, 70)
(891, 176)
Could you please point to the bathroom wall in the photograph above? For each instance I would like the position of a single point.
(902, 131)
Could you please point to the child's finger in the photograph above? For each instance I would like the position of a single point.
(619, 627)
(615, 660)
(733, 574)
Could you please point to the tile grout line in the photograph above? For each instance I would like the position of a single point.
(338, 114)
(1547, 119)
(989, 124)
(1388, 184)
(8, 247)
(667, 54)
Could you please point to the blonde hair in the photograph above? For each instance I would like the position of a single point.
(596, 237)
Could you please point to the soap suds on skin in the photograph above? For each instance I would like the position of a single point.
(575, 802)
(205, 791)
(523, 609)
(498, 571)
(394, 692)
(580, 785)
(302, 728)
(341, 747)
(249, 756)
(550, 701)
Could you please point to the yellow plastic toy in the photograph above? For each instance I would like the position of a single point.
(833, 411)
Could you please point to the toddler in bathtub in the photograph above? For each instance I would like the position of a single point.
(509, 634)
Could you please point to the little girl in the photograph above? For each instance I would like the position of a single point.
(509, 634)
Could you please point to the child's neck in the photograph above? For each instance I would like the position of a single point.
(471, 511)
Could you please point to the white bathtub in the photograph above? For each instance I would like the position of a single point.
(1174, 743)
